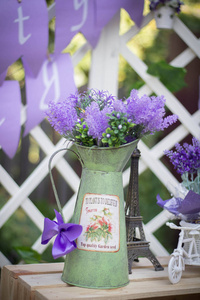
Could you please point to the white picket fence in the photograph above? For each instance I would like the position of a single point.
(104, 75)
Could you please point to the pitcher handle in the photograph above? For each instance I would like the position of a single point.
(51, 176)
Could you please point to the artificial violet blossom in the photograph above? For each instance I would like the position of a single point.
(85, 118)
(119, 106)
(62, 116)
(186, 158)
(148, 112)
(66, 233)
(186, 161)
(96, 119)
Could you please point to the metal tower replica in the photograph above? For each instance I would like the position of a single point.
(136, 246)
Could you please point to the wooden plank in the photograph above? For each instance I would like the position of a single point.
(21, 281)
(8, 288)
(134, 290)
(35, 281)
(27, 284)
(17, 270)
(43, 282)
(10, 277)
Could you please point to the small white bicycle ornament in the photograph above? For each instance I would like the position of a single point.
(187, 251)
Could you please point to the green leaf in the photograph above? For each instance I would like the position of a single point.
(171, 77)
(104, 140)
(108, 130)
(113, 138)
(110, 142)
(28, 255)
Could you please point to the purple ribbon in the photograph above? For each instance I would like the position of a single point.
(66, 233)
(172, 204)
(190, 205)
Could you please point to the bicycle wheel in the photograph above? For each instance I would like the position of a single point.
(174, 270)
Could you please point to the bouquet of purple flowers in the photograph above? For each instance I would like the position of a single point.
(176, 4)
(186, 161)
(97, 118)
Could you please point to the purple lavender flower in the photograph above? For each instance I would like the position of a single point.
(62, 116)
(119, 106)
(186, 158)
(148, 112)
(97, 120)
(84, 117)
(102, 98)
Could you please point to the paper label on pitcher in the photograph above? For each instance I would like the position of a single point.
(100, 220)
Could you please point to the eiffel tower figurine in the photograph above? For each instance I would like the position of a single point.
(136, 246)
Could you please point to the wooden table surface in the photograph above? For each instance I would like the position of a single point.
(43, 282)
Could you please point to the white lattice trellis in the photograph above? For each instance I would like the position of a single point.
(104, 75)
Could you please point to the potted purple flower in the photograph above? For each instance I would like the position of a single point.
(105, 131)
(97, 119)
(186, 202)
(164, 11)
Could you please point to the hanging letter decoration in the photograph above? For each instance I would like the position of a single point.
(74, 16)
(107, 9)
(89, 17)
(10, 102)
(24, 35)
(54, 82)
(2, 77)
(23, 32)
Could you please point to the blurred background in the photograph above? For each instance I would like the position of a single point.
(152, 46)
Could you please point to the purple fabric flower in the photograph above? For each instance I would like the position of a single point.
(66, 233)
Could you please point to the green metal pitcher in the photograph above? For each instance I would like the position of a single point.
(100, 260)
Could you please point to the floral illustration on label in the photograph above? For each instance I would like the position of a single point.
(99, 227)
(100, 221)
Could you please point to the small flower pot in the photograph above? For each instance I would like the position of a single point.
(164, 17)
